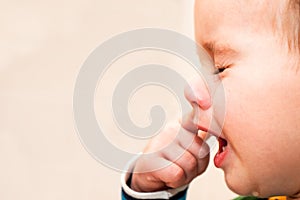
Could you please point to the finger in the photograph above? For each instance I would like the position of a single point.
(172, 175)
(203, 135)
(154, 175)
(196, 146)
(188, 123)
(183, 159)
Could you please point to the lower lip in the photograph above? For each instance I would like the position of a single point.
(220, 157)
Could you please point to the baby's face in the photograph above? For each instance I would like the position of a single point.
(262, 88)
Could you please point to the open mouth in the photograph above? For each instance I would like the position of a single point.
(222, 152)
(222, 145)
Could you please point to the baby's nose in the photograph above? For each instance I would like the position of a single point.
(196, 92)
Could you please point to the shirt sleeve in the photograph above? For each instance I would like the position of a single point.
(129, 194)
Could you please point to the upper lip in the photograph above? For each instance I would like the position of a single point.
(207, 124)
(189, 123)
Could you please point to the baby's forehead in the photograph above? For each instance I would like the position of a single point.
(258, 15)
(219, 23)
(240, 22)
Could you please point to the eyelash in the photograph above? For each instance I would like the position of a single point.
(220, 69)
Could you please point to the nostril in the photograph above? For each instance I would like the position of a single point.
(190, 94)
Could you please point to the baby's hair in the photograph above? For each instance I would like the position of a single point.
(291, 24)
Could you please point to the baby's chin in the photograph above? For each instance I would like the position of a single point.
(245, 187)
(240, 184)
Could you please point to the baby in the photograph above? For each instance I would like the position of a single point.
(255, 46)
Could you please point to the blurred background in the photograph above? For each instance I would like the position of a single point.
(42, 47)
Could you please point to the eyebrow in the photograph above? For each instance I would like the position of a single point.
(219, 49)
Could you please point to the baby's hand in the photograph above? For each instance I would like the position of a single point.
(171, 160)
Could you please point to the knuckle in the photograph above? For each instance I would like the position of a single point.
(149, 178)
(177, 175)
(169, 134)
(191, 163)
(186, 140)
(172, 128)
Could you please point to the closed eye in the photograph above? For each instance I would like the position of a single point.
(220, 70)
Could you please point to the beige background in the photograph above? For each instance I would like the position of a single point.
(42, 46)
